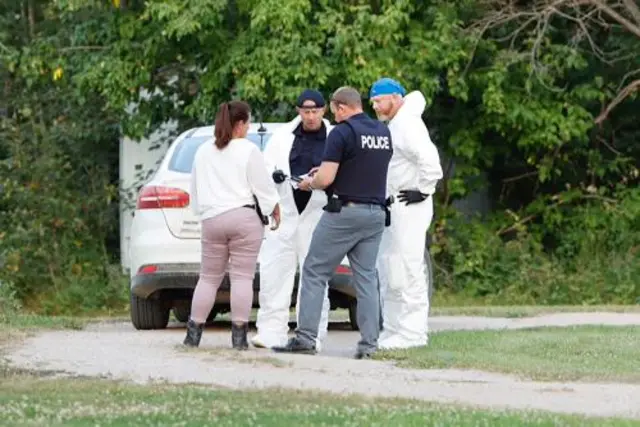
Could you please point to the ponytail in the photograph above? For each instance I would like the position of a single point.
(223, 127)
(229, 114)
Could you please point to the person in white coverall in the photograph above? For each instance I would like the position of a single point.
(293, 150)
(414, 171)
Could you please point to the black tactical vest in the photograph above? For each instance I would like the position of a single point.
(363, 177)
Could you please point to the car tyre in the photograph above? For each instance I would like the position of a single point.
(181, 313)
(148, 313)
(353, 314)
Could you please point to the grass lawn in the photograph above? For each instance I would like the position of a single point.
(26, 400)
(594, 353)
(31, 322)
(39, 399)
(27, 322)
(515, 311)
(509, 311)
(440, 308)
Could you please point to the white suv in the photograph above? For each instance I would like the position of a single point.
(164, 248)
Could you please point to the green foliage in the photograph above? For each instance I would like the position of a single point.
(56, 175)
(587, 255)
(9, 302)
(511, 101)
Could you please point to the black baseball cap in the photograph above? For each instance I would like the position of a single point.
(311, 95)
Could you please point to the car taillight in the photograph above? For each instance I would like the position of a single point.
(158, 197)
(343, 270)
(147, 269)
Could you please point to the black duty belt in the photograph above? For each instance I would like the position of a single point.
(347, 202)
(356, 203)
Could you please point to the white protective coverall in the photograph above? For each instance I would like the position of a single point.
(286, 248)
(415, 164)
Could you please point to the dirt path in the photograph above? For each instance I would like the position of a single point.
(157, 356)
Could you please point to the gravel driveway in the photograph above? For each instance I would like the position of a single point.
(143, 356)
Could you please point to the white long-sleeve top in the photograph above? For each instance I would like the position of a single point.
(415, 163)
(226, 179)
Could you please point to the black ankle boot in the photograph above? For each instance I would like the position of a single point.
(194, 334)
(239, 336)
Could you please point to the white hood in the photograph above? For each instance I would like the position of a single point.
(414, 105)
(415, 163)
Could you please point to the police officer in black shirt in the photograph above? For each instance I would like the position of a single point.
(354, 174)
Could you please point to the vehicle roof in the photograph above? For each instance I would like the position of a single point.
(207, 132)
(253, 128)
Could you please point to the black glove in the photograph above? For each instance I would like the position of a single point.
(411, 196)
(278, 176)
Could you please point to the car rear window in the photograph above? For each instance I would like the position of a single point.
(182, 159)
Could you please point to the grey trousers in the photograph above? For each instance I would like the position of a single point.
(356, 232)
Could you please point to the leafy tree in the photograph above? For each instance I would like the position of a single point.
(536, 102)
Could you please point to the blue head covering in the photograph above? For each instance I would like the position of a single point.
(386, 86)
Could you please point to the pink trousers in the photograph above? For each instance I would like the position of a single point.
(233, 240)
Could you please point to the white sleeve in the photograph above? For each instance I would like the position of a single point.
(193, 190)
(424, 154)
(262, 186)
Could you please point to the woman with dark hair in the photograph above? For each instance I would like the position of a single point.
(228, 178)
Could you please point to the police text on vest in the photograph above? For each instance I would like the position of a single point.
(375, 142)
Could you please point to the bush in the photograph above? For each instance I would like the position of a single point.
(595, 257)
(56, 171)
(9, 303)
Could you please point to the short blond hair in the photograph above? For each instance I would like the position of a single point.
(347, 95)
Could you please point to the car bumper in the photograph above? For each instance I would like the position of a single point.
(159, 277)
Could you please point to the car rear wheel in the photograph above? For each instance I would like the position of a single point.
(149, 313)
(353, 314)
(182, 314)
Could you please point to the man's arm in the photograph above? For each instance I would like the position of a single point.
(423, 153)
(325, 175)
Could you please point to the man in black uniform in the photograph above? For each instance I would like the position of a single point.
(354, 174)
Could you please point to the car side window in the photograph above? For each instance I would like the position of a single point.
(260, 139)
(185, 152)
(182, 159)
